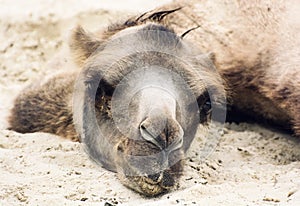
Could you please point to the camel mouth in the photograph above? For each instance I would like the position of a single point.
(151, 185)
(164, 179)
(151, 175)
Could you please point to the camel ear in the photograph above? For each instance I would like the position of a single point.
(83, 45)
(207, 60)
(211, 56)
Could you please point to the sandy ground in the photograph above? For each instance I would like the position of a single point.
(251, 165)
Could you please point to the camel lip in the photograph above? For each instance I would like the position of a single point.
(155, 178)
(163, 179)
(145, 186)
(150, 188)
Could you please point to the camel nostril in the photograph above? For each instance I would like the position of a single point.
(142, 126)
(148, 135)
(167, 137)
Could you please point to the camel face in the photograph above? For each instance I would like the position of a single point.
(139, 108)
(153, 130)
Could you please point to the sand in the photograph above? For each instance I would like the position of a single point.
(251, 164)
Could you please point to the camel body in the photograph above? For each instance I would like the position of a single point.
(253, 51)
(257, 52)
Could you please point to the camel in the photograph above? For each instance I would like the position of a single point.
(144, 84)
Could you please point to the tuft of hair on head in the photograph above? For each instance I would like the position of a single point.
(160, 15)
(157, 16)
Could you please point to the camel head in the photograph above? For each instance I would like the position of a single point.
(139, 99)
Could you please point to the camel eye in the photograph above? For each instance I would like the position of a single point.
(207, 107)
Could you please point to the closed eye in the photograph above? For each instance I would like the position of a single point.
(205, 107)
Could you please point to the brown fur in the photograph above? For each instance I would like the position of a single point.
(39, 109)
(256, 49)
(248, 45)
